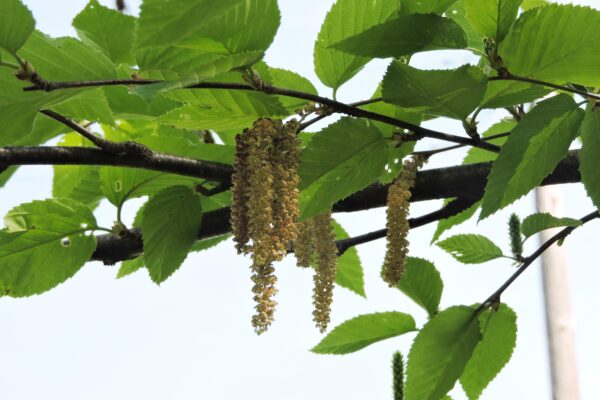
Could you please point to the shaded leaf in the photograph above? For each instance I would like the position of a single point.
(349, 268)
(171, 220)
(404, 35)
(454, 220)
(588, 156)
(16, 24)
(425, 6)
(450, 93)
(492, 18)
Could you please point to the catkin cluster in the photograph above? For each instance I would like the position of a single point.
(316, 241)
(398, 204)
(265, 204)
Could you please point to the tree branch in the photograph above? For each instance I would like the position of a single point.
(336, 106)
(494, 298)
(510, 77)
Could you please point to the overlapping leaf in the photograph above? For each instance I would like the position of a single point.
(590, 173)
(16, 24)
(421, 282)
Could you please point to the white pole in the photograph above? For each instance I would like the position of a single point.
(557, 299)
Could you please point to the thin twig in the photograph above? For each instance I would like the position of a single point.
(511, 77)
(429, 153)
(494, 298)
(268, 89)
(129, 148)
(454, 207)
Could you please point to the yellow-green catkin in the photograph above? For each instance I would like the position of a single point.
(398, 205)
(285, 161)
(326, 268)
(239, 193)
(305, 243)
(265, 204)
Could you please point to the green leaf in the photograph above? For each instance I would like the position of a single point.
(531, 49)
(538, 222)
(203, 73)
(16, 24)
(450, 93)
(458, 14)
(77, 182)
(248, 26)
(499, 337)
(165, 22)
(471, 248)
(532, 151)
(90, 105)
(170, 223)
(425, 6)
(44, 245)
(340, 160)
(364, 330)
(454, 220)
(440, 352)
(293, 81)
(421, 282)
(404, 36)
(345, 19)
(111, 31)
(529, 4)
(66, 59)
(477, 155)
(492, 18)
(501, 94)
(349, 269)
(588, 156)
(128, 267)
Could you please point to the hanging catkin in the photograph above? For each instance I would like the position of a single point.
(265, 204)
(398, 204)
(326, 254)
(305, 243)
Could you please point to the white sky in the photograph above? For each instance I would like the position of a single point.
(95, 337)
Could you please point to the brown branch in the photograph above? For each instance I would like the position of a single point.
(120, 5)
(336, 106)
(494, 298)
(507, 76)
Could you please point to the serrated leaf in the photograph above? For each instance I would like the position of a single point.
(248, 26)
(529, 4)
(349, 268)
(44, 245)
(128, 267)
(111, 31)
(364, 330)
(404, 35)
(16, 24)
(425, 6)
(538, 222)
(50, 58)
(471, 248)
(450, 93)
(501, 94)
(440, 352)
(499, 336)
(588, 156)
(345, 19)
(291, 80)
(170, 223)
(165, 22)
(77, 182)
(454, 220)
(90, 105)
(492, 18)
(531, 49)
(203, 73)
(532, 151)
(340, 160)
(421, 282)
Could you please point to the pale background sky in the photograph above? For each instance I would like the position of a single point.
(95, 337)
